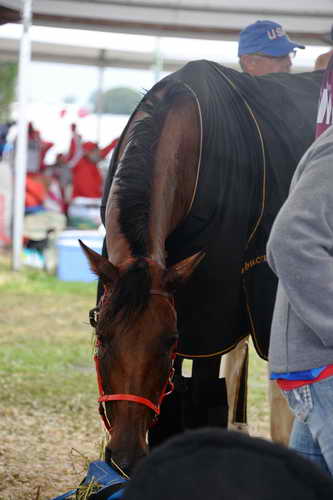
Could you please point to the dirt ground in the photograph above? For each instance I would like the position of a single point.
(43, 455)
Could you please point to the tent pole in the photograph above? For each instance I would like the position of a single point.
(158, 60)
(22, 139)
(99, 97)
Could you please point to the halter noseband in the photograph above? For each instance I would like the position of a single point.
(93, 317)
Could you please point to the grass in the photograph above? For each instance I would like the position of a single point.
(46, 341)
(30, 279)
(258, 408)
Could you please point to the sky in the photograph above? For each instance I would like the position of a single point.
(52, 82)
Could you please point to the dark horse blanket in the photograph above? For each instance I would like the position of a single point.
(254, 131)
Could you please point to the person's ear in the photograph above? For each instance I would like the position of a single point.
(247, 63)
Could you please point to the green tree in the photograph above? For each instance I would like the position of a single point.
(8, 72)
(118, 100)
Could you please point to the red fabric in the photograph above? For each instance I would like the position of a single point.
(89, 146)
(288, 385)
(87, 180)
(35, 192)
(109, 148)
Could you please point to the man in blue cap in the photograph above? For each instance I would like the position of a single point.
(264, 47)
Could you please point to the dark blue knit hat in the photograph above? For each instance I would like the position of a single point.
(220, 465)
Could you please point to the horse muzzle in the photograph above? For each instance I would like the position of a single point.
(124, 461)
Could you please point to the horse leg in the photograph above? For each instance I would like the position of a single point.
(235, 370)
(207, 403)
(199, 400)
(281, 418)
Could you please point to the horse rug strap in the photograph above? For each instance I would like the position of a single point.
(110, 481)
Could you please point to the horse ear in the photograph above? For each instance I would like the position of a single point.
(180, 272)
(100, 265)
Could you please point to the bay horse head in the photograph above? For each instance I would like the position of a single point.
(136, 339)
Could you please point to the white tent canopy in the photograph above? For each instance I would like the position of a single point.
(304, 20)
(88, 56)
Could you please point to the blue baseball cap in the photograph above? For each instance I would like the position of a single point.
(266, 37)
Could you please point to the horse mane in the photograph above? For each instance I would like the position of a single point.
(135, 171)
(129, 296)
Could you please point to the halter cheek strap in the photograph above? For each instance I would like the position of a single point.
(156, 408)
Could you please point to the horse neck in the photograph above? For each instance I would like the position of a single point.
(174, 177)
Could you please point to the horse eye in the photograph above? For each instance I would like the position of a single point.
(93, 317)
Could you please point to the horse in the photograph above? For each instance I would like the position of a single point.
(199, 173)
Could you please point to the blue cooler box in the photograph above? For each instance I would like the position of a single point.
(72, 263)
